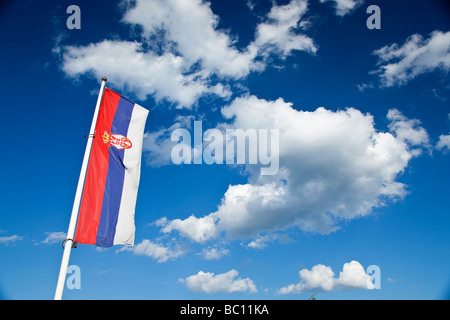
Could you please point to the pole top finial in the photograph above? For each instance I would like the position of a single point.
(104, 79)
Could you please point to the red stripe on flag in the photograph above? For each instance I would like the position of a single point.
(94, 187)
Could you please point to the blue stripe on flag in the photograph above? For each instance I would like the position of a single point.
(115, 177)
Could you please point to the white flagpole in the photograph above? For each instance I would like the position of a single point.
(76, 203)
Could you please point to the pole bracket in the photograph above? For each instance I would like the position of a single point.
(74, 245)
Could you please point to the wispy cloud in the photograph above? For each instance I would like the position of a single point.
(261, 241)
(155, 250)
(158, 145)
(277, 34)
(54, 237)
(364, 86)
(409, 131)
(344, 7)
(8, 240)
(399, 64)
(214, 253)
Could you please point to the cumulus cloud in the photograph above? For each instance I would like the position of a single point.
(322, 278)
(226, 282)
(191, 27)
(128, 64)
(344, 7)
(400, 64)
(334, 166)
(197, 229)
(179, 49)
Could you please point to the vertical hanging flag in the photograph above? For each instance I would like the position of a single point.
(106, 216)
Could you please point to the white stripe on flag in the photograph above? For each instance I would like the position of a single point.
(125, 227)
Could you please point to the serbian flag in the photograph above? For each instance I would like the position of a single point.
(106, 216)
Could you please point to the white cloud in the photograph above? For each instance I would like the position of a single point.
(277, 33)
(408, 130)
(214, 253)
(226, 282)
(157, 145)
(155, 251)
(259, 242)
(191, 27)
(319, 278)
(353, 276)
(400, 64)
(196, 229)
(334, 166)
(444, 143)
(364, 86)
(344, 7)
(7, 240)
(322, 278)
(54, 237)
(391, 280)
(181, 49)
(127, 64)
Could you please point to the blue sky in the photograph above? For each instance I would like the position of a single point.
(364, 138)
